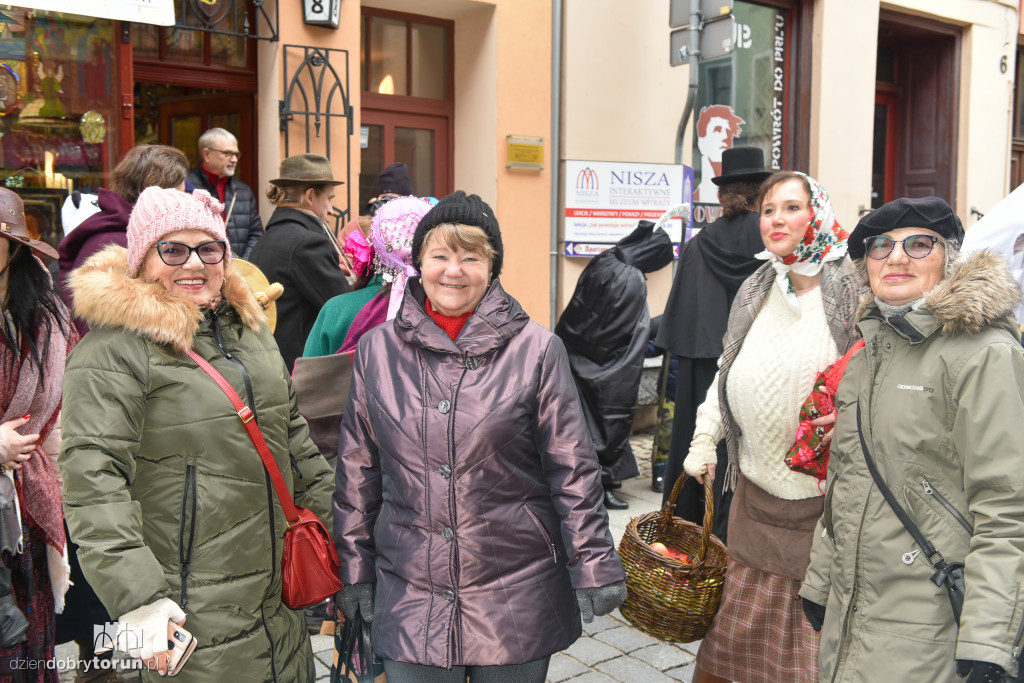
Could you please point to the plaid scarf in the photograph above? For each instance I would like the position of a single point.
(840, 294)
(824, 240)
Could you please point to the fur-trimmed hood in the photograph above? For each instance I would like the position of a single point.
(979, 291)
(105, 295)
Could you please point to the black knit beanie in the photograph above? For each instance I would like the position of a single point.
(461, 209)
(395, 179)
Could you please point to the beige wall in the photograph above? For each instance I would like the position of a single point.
(841, 124)
(621, 100)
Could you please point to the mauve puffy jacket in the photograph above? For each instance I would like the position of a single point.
(468, 490)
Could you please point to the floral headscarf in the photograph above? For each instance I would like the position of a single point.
(391, 236)
(360, 251)
(824, 240)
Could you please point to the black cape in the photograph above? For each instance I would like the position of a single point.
(712, 267)
(605, 329)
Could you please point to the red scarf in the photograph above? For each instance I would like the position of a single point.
(451, 325)
(218, 181)
(28, 394)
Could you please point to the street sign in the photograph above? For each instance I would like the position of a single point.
(716, 40)
(679, 11)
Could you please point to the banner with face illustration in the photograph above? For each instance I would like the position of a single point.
(741, 100)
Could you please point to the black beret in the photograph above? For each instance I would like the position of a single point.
(931, 213)
(459, 208)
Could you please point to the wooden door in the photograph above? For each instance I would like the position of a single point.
(928, 101)
(419, 140)
(183, 120)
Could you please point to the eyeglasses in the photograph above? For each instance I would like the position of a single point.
(229, 155)
(178, 254)
(915, 246)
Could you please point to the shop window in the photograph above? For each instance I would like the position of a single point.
(407, 106)
(194, 46)
(57, 110)
(752, 96)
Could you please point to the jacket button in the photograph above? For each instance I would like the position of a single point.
(444, 406)
(447, 533)
(888, 345)
(471, 363)
(445, 471)
(449, 596)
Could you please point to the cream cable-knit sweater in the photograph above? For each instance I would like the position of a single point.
(772, 376)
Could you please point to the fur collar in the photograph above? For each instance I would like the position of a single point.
(106, 296)
(979, 292)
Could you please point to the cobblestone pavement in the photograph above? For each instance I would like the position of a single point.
(610, 649)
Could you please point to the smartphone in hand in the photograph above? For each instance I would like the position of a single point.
(181, 644)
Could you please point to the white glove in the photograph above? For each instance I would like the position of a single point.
(143, 631)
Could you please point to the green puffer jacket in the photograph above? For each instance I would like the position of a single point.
(942, 407)
(163, 490)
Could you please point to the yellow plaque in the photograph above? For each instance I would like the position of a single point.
(525, 152)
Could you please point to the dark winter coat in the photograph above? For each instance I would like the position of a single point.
(605, 328)
(108, 226)
(245, 228)
(163, 490)
(298, 253)
(942, 409)
(467, 488)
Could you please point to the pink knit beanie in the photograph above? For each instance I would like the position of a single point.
(159, 212)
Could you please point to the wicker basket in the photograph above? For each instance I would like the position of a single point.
(667, 598)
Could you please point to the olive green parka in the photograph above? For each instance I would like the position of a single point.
(940, 391)
(164, 492)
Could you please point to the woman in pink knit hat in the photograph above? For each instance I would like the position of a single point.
(164, 492)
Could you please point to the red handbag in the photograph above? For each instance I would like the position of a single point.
(310, 564)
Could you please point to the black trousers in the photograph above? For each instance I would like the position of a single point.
(694, 377)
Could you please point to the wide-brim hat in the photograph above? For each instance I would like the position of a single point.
(740, 164)
(13, 226)
(306, 169)
(930, 213)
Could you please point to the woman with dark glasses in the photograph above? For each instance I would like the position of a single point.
(164, 492)
(934, 404)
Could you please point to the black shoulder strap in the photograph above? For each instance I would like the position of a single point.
(933, 556)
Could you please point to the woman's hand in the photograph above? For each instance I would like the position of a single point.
(709, 472)
(821, 421)
(16, 448)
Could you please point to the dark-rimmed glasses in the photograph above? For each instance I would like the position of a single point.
(228, 154)
(879, 247)
(178, 254)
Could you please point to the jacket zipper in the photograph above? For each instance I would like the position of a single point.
(543, 532)
(946, 504)
(269, 485)
(185, 552)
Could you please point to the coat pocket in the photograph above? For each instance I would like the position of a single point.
(544, 533)
(187, 531)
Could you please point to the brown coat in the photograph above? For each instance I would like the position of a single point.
(468, 490)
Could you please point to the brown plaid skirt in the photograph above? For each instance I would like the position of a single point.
(760, 634)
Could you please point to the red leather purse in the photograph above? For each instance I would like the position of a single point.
(310, 563)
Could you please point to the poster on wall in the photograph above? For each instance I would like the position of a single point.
(604, 201)
(741, 101)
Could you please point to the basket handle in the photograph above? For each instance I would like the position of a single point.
(669, 508)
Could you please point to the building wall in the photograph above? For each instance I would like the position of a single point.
(843, 97)
(621, 101)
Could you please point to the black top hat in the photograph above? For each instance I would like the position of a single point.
(742, 163)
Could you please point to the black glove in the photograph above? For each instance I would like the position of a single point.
(815, 613)
(13, 624)
(980, 672)
(600, 600)
(357, 597)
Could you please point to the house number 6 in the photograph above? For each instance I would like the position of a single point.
(1002, 64)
